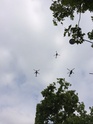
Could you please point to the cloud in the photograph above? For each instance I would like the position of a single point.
(15, 116)
(35, 16)
(29, 40)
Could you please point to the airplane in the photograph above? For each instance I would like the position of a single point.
(36, 72)
(90, 73)
(56, 54)
(70, 71)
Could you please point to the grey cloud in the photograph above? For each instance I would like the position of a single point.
(28, 40)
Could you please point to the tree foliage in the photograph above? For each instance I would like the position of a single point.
(61, 106)
(63, 9)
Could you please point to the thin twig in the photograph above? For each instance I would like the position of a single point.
(79, 16)
(88, 41)
(79, 19)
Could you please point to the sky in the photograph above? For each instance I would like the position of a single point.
(28, 41)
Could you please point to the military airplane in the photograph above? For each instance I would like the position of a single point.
(56, 55)
(90, 73)
(70, 71)
(36, 72)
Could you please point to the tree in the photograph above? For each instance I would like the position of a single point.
(61, 106)
(63, 9)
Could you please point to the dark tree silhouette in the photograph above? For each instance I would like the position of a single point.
(61, 106)
(64, 9)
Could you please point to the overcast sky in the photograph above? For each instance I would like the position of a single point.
(29, 40)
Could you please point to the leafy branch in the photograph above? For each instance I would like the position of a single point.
(63, 9)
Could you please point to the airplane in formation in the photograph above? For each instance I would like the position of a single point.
(90, 73)
(70, 71)
(57, 54)
(36, 72)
